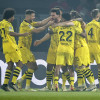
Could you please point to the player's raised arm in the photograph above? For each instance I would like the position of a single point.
(43, 22)
(38, 30)
(67, 23)
(77, 19)
(38, 42)
(18, 34)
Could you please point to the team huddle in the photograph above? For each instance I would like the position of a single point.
(73, 44)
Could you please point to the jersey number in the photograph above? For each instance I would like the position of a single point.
(91, 32)
(68, 38)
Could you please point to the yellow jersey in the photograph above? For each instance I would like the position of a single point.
(54, 38)
(79, 40)
(26, 41)
(67, 35)
(93, 32)
(8, 42)
(34, 23)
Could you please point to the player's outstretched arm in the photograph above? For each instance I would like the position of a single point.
(67, 23)
(77, 19)
(38, 42)
(40, 29)
(43, 22)
(18, 34)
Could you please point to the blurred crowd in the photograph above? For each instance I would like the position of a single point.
(84, 7)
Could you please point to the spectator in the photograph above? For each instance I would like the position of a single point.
(97, 2)
(61, 3)
(73, 4)
(90, 5)
(84, 9)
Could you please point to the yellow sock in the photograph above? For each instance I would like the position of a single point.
(49, 78)
(91, 73)
(72, 81)
(63, 79)
(16, 74)
(68, 77)
(53, 74)
(99, 77)
(83, 81)
(88, 76)
(53, 78)
(56, 86)
(80, 77)
(24, 75)
(7, 76)
(56, 80)
(29, 77)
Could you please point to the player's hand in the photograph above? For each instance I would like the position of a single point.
(37, 42)
(50, 18)
(50, 23)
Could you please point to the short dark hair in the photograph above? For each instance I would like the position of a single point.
(66, 16)
(29, 11)
(60, 8)
(8, 13)
(56, 10)
(94, 13)
(75, 14)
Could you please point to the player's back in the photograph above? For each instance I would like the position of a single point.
(67, 36)
(93, 32)
(93, 37)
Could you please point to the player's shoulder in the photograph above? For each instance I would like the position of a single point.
(1, 24)
(93, 23)
(24, 23)
(34, 23)
(77, 23)
(6, 24)
(66, 28)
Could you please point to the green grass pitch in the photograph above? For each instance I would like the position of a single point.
(23, 95)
